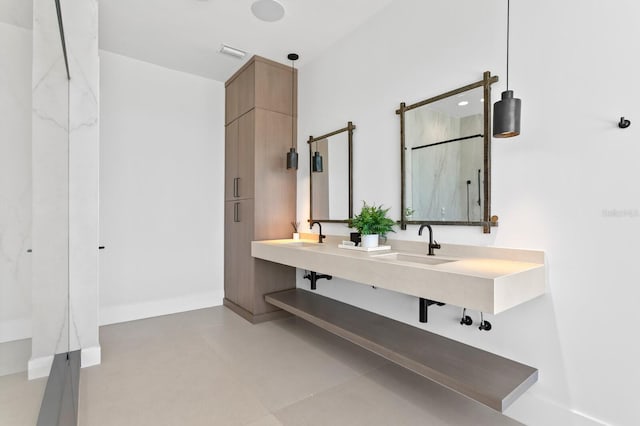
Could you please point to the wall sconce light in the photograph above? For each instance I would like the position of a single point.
(506, 112)
(292, 155)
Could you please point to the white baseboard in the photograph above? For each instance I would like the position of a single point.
(18, 329)
(15, 329)
(135, 311)
(39, 367)
(90, 356)
(14, 356)
(534, 410)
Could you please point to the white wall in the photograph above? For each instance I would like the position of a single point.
(161, 190)
(15, 182)
(573, 65)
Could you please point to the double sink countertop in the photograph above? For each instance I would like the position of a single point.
(486, 279)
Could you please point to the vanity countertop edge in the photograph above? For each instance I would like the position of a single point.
(482, 278)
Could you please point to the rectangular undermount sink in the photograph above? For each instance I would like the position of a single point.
(413, 258)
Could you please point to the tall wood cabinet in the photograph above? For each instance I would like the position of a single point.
(260, 193)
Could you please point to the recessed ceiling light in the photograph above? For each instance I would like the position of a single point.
(267, 10)
(463, 103)
(232, 51)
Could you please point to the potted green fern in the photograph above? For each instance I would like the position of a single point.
(372, 223)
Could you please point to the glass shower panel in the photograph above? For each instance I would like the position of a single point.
(50, 160)
(51, 235)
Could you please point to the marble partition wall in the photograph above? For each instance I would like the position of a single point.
(437, 188)
(338, 155)
(472, 161)
(50, 194)
(65, 185)
(81, 32)
(15, 179)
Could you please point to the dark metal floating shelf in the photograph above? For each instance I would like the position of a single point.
(480, 375)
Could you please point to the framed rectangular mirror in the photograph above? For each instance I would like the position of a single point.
(445, 144)
(331, 175)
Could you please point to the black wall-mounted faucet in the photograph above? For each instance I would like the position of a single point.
(432, 244)
(320, 236)
(313, 277)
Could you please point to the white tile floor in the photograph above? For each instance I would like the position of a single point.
(210, 367)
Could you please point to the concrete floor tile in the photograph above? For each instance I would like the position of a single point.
(20, 399)
(211, 367)
(390, 395)
(269, 420)
(281, 367)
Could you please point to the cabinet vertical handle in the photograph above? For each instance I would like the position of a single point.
(479, 193)
(236, 212)
(236, 187)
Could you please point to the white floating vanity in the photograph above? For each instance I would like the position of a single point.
(482, 278)
(486, 279)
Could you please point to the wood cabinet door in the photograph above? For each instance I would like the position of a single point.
(238, 263)
(230, 271)
(246, 89)
(240, 94)
(231, 161)
(231, 96)
(246, 155)
(274, 86)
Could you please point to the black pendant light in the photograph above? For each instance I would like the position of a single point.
(506, 112)
(316, 164)
(292, 155)
(292, 159)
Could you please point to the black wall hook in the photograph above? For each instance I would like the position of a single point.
(623, 124)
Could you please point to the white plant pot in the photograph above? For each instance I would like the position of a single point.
(369, 241)
(296, 235)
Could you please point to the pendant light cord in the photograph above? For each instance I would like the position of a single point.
(508, 16)
(292, 102)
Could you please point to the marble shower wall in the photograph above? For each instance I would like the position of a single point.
(472, 161)
(50, 194)
(437, 189)
(65, 184)
(81, 32)
(15, 178)
(339, 177)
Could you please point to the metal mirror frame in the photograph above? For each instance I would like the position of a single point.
(350, 128)
(487, 220)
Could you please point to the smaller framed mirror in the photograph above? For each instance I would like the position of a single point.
(445, 145)
(331, 176)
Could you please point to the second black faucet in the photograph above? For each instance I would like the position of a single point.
(320, 236)
(432, 244)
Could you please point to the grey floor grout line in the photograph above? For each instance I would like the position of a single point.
(333, 387)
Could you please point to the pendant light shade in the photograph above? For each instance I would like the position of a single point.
(292, 155)
(506, 116)
(317, 162)
(292, 159)
(506, 112)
